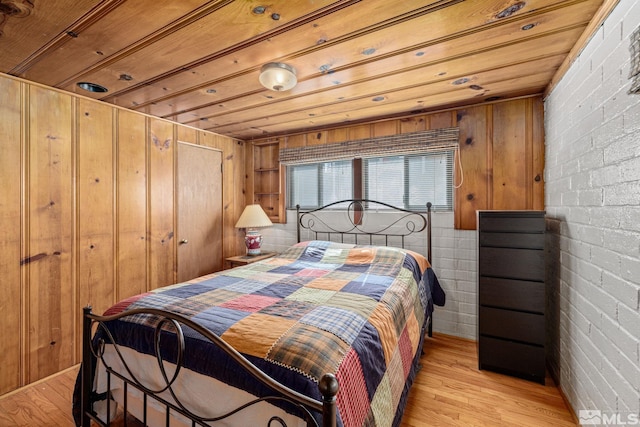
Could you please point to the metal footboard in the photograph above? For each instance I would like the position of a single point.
(94, 350)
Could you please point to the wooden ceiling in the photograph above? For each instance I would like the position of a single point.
(197, 61)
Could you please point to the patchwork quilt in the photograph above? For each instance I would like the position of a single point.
(356, 311)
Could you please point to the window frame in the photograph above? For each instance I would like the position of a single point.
(359, 181)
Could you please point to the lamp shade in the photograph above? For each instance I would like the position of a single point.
(278, 76)
(253, 217)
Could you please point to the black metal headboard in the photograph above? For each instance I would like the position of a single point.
(354, 223)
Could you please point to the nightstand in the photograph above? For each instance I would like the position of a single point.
(239, 260)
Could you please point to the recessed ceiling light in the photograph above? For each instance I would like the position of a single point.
(509, 11)
(92, 87)
(460, 81)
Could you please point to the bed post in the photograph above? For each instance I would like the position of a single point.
(298, 221)
(85, 399)
(430, 325)
(328, 387)
(429, 231)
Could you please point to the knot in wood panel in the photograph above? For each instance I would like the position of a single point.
(15, 8)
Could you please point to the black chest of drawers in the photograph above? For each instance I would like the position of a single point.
(511, 293)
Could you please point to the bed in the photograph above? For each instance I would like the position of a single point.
(327, 333)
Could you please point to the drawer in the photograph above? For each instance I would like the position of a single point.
(524, 264)
(512, 221)
(512, 240)
(522, 360)
(512, 325)
(512, 294)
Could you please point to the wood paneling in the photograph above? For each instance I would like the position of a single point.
(233, 188)
(445, 119)
(537, 155)
(186, 134)
(162, 268)
(95, 193)
(292, 141)
(473, 168)
(385, 128)
(131, 204)
(501, 155)
(87, 216)
(509, 155)
(50, 288)
(11, 226)
(236, 200)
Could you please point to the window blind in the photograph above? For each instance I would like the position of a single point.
(411, 181)
(444, 139)
(314, 185)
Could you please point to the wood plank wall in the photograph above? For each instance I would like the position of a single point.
(87, 216)
(501, 152)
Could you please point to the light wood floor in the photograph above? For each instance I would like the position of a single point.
(449, 391)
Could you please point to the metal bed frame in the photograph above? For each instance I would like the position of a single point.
(355, 210)
(93, 349)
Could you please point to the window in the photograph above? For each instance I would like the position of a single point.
(318, 184)
(409, 182)
(404, 181)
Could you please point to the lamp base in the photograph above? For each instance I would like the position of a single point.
(253, 241)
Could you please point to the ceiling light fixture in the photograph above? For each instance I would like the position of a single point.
(278, 76)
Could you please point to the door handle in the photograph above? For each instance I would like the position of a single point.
(184, 241)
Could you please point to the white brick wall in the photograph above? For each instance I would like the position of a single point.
(593, 205)
(454, 262)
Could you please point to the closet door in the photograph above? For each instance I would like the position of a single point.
(199, 211)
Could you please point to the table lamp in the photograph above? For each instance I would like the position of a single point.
(252, 218)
